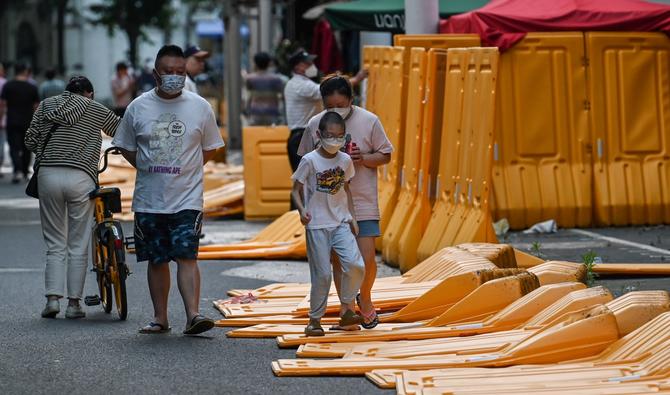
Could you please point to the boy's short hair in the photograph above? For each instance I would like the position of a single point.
(331, 118)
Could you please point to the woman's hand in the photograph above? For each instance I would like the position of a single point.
(305, 217)
(354, 227)
(356, 154)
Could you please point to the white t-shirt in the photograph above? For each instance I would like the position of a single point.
(169, 137)
(323, 180)
(189, 85)
(303, 101)
(368, 134)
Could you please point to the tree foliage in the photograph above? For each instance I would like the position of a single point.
(133, 17)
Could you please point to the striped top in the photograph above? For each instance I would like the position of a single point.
(77, 140)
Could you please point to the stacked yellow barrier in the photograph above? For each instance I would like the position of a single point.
(629, 79)
(541, 162)
(461, 212)
(412, 148)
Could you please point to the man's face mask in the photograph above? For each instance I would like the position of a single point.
(171, 84)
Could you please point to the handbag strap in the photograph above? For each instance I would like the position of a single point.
(46, 141)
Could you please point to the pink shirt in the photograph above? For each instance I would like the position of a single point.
(368, 134)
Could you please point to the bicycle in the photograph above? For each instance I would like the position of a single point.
(108, 248)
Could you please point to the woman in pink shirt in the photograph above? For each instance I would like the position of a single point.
(369, 149)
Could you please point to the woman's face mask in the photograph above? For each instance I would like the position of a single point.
(343, 112)
(172, 84)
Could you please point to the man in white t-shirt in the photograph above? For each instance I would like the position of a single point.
(168, 134)
(195, 64)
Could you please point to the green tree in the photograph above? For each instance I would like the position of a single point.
(46, 8)
(133, 16)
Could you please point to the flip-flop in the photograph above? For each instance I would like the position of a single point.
(149, 329)
(370, 320)
(199, 324)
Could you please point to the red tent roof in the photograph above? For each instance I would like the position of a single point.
(502, 23)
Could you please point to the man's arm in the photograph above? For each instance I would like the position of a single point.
(130, 156)
(207, 156)
(360, 76)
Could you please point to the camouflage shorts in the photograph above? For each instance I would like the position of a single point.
(160, 238)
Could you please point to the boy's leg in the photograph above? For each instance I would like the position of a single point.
(351, 262)
(318, 255)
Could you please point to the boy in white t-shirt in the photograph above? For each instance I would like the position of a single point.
(321, 193)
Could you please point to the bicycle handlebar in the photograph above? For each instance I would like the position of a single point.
(110, 150)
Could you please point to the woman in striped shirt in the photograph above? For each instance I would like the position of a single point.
(68, 165)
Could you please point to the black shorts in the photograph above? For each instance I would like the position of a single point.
(160, 238)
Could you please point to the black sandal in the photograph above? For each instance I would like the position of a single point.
(199, 324)
(149, 329)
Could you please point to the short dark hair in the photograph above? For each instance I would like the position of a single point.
(79, 85)
(50, 74)
(262, 60)
(336, 83)
(121, 66)
(169, 50)
(20, 68)
(331, 118)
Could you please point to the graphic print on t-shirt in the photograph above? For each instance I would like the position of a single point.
(165, 145)
(330, 181)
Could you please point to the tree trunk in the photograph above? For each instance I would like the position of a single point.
(60, 26)
(133, 39)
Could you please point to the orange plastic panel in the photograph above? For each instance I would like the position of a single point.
(395, 100)
(448, 155)
(411, 146)
(442, 41)
(629, 78)
(267, 173)
(418, 218)
(541, 154)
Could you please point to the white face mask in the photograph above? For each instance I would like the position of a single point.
(332, 144)
(343, 112)
(311, 71)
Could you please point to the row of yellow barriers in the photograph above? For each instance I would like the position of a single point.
(581, 134)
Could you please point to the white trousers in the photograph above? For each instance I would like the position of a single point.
(319, 244)
(67, 219)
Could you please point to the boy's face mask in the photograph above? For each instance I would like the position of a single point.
(332, 144)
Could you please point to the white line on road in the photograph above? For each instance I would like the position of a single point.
(621, 241)
(19, 270)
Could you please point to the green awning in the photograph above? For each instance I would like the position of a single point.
(386, 15)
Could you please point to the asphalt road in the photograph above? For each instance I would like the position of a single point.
(100, 354)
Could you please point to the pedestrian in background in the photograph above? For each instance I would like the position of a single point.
(265, 91)
(3, 122)
(65, 136)
(195, 65)
(123, 87)
(168, 134)
(19, 99)
(145, 80)
(321, 192)
(51, 86)
(370, 148)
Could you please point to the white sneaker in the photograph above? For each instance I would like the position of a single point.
(51, 309)
(74, 312)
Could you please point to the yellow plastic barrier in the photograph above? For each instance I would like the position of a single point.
(448, 153)
(630, 102)
(542, 142)
(441, 41)
(416, 98)
(395, 100)
(461, 212)
(420, 208)
(267, 174)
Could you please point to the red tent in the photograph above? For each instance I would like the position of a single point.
(502, 23)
